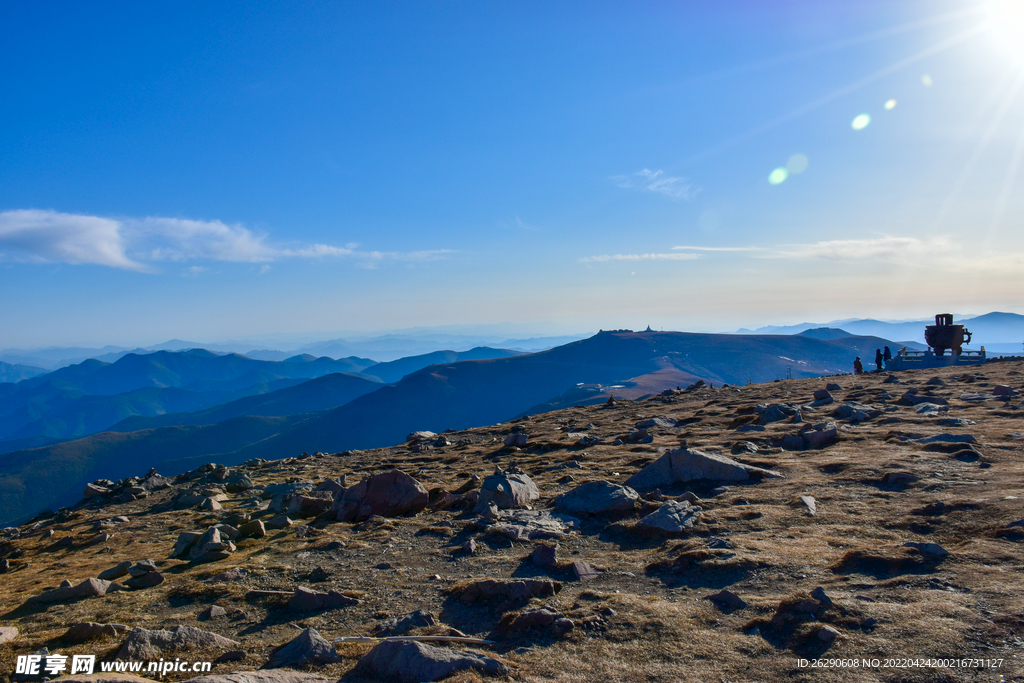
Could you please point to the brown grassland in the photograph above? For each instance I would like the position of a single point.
(645, 618)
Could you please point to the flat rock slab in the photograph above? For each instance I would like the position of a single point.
(531, 525)
(410, 661)
(505, 589)
(90, 630)
(597, 497)
(90, 588)
(946, 438)
(309, 647)
(673, 517)
(263, 676)
(688, 464)
(584, 572)
(145, 644)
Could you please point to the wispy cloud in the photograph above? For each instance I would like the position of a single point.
(879, 248)
(656, 181)
(638, 257)
(719, 248)
(134, 243)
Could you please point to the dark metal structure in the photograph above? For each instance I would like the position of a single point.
(945, 335)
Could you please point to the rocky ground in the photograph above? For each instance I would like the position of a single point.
(878, 519)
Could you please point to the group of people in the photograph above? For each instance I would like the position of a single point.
(881, 358)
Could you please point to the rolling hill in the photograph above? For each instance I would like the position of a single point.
(392, 371)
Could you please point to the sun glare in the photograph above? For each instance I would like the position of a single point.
(1006, 18)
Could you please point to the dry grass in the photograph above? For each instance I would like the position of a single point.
(645, 618)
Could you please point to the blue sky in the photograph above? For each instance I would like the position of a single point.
(213, 171)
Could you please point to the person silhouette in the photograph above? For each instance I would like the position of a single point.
(886, 354)
(858, 367)
(879, 358)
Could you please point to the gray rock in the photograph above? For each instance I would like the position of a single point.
(411, 662)
(142, 567)
(531, 525)
(827, 634)
(309, 647)
(812, 507)
(519, 439)
(672, 517)
(310, 504)
(253, 529)
(776, 412)
(145, 581)
(213, 612)
(832, 386)
(727, 600)
(899, 478)
(308, 600)
(663, 422)
(115, 572)
(185, 541)
(227, 531)
(686, 464)
(946, 438)
(820, 436)
(239, 483)
(145, 644)
(399, 626)
(933, 549)
(597, 497)
(210, 504)
(506, 490)
(90, 588)
(389, 494)
(822, 395)
(545, 556)
(791, 442)
(90, 630)
(7, 634)
(584, 572)
(279, 522)
(420, 436)
(210, 547)
(93, 491)
(505, 590)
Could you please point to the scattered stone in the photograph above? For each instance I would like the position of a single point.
(90, 630)
(399, 626)
(518, 440)
(233, 574)
(832, 386)
(933, 549)
(7, 634)
(210, 547)
(673, 517)
(185, 541)
(115, 572)
(411, 662)
(310, 504)
(727, 601)
(662, 422)
(899, 478)
(505, 590)
(597, 497)
(812, 508)
(584, 572)
(545, 556)
(1003, 390)
(823, 395)
(945, 438)
(210, 504)
(213, 612)
(686, 464)
(308, 600)
(469, 547)
(821, 596)
(147, 580)
(90, 588)
(827, 634)
(389, 494)
(93, 491)
(420, 436)
(531, 525)
(309, 647)
(776, 412)
(145, 644)
(278, 522)
(142, 567)
(506, 490)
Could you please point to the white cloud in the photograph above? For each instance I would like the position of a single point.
(720, 248)
(51, 236)
(638, 257)
(879, 248)
(68, 238)
(656, 181)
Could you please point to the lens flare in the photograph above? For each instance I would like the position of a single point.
(861, 122)
(1006, 21)
(927, 80)
(777, 176)
(890, 104)
(797, 164)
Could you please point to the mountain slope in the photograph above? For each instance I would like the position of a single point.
(392, 371)
(322, 393)
(18, 372)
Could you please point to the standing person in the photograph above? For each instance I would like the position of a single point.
(886, 354)
(858, 367)
(879, 358)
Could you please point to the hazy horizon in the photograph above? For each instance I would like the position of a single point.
(233, 173)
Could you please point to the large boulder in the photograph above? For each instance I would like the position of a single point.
(309, 647)
(410, 661)
(145, 644)
(89, 630)
(673, 518)
(529, 525)
(90, 588)
(688, 464)
(389, 494)
(506, 490)
(596, 497)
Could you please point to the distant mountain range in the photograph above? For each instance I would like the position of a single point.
(992, 330)
(16, 373)
(305, 404)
